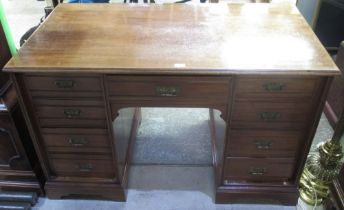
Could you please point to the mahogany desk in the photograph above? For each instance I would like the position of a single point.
(258, 67)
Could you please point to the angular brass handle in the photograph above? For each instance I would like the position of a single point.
(72, 113)
(77, 142)
(269, 115)
(167, 91)
(263, 144)
(85, 167)
(65, 84)
(258, 171)
(274, 87)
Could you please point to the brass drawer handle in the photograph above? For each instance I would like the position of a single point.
(85, 167)
(258, 171)
(263, 144)
(77, 142)
(167, 91)
(269, 115)
(274, 87)
(71, 113)
(65, 84)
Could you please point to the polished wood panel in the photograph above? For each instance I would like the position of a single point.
(124, 128)
(64, 137)
(175, 39)
(86, 190)
(65, 94)
(82, 167)
(72, 123)
(258, 169)
(269, 195)
(71, 112)
(276, 87)
(262, 143)
(195, 87)
(62, 83)
(89, 102)
(76, 140)
(288, 115)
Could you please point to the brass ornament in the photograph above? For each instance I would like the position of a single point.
(322, 167)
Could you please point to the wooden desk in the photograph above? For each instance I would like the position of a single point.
(259, 65)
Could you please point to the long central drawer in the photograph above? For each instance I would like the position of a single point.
(172, 86)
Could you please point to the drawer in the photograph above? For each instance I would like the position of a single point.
(196, 87)
(72, 123)
(66, 94)
(76, 141)
(258, 169)
(253, 114)
(63, 83)
(70, 112)
(258, 143)
(83, 168)
(276, 87)
(71, 102)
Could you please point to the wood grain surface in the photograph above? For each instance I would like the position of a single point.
(175, 39)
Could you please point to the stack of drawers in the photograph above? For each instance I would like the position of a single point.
(268, 127)
(71, 115)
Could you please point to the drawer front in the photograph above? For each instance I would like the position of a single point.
(72, 123)
(70, 102)
(82, 168)
(258, 169)
(251, 114)
(62, 83)
(197, 87)
(77, 142)
(251, 143)
(275, 87)
(66, 94)
(70, 112)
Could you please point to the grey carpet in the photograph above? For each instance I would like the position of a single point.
(161, 188)
(173, 136)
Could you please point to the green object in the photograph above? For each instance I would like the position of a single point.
(7, 30)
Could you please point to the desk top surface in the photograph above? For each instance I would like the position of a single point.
(174, 39)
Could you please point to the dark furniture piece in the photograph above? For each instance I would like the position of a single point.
(19, 166)
(335, 100)
(329, 26)
(80, 88)
(5, 56)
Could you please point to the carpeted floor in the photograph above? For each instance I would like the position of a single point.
(161, 188)
(173, 136)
